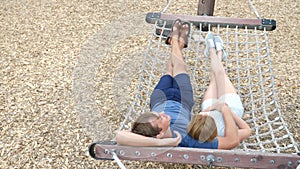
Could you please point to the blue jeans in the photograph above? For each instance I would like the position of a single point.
(178, 89)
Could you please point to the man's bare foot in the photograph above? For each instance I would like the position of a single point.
(184, 33)
(174, 35)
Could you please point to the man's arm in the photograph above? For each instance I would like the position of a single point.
(128, 138)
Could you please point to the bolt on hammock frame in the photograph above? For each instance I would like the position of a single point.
(267, 148)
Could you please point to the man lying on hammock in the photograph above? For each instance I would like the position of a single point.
(170, 122)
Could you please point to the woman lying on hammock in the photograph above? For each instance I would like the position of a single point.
(170, 122)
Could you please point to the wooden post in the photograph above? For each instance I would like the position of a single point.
(206, 8)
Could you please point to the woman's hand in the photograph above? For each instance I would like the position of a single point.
(216, 106)
(171, 141)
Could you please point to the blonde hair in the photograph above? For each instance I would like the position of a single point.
(202, 128)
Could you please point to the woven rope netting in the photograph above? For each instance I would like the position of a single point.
(248, 66)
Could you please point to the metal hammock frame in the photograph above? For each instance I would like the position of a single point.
(248, 66)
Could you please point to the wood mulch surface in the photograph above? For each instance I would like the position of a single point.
(43, 42)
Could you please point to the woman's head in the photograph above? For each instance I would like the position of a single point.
(203, 128)
(151, 124)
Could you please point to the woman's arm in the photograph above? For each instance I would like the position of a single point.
(230, 139)
(244, 130)
(128, 138)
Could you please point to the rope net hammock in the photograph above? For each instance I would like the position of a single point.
(249, 68)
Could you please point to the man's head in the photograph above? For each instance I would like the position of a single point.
(151, 124)
(202, 127)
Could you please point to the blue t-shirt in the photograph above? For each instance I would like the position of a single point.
(180, 117)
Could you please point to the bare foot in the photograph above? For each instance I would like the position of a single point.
(184, 33)
(175, 31)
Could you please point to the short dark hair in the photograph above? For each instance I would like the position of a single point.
(143, 126)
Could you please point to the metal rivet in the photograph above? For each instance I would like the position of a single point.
(153, 154)
(202, 157)
(185, 156)
(236, 159)
(137, 153)
(253, 160)
(210, 158)
(106, 151)
(272, 161)
(290, 163)
(122, 152)
(219, 159)
(169, 155)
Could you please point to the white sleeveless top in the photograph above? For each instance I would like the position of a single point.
(234, 103)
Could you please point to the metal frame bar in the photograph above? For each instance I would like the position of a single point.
(259, 24)
(227, 158)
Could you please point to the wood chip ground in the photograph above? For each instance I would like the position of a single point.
(41, 43)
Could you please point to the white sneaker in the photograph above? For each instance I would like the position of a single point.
(209, 41)
(219, 46)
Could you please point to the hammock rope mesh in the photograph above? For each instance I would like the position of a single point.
(249, 68)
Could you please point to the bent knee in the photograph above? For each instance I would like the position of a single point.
(219, 72)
